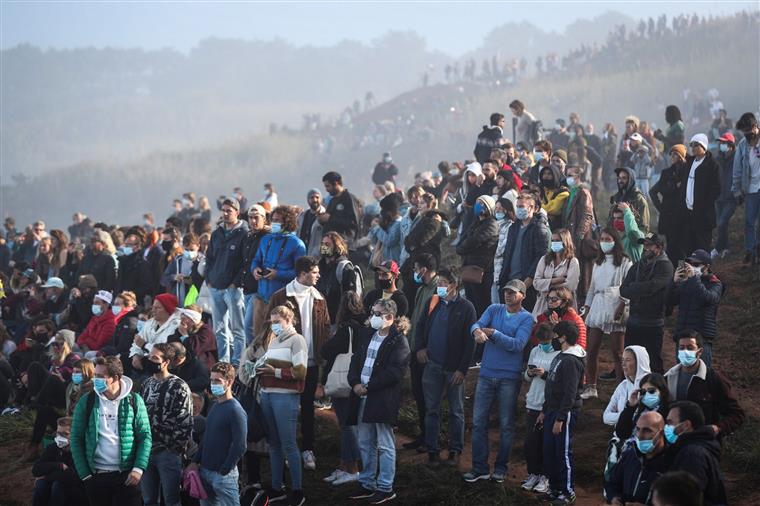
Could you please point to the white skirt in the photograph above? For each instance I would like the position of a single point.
(601, 314)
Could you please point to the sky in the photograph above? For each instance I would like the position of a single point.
(451, 27)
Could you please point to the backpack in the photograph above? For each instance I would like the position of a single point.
(359, 276)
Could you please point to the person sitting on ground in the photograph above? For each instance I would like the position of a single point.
(156, 330)
(189, 368)
(57, 480)
(99, 331)
(196, 335)
(81, 383)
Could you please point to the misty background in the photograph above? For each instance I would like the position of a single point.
(116, 109)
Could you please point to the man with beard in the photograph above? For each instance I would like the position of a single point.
(630, 194)
(309, 227)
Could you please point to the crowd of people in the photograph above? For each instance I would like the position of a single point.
(161, 363)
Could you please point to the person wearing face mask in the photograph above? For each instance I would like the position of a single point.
(99, 262)
(700, 192)
(628, 193)
(601, 307)
(100, 329)
(560, 412)
(283, 375)
(124, 309)
(652, 396)
(539, 361)
(646, 286)
(134, 271)
(696, 292)
(196, 335)
(694, 449)
(554, 192)
(693, 380)
(746, 180)
(57, 480)
(111, 437)
(387, 275)
(385, 170)
(169, 405)
(505, 217)
(183, 272)
(640, 465)
(559, 307)
(542, 153)
(559, 267)
(444, 347)
(376, 375)
(162, 324)
(308, 226)
(81, 383)
(725, 206)
(666, 198)
(56, 296)
(477, 248)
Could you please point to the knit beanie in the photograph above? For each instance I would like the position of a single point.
(169, 301)
(680, 149)
(488, 203)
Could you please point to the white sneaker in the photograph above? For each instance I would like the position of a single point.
(333, 476)
(530, 482)
(714, 253)
(724, 253)
(543, 485)
(309, 462)
(346, 478)
(589, 391)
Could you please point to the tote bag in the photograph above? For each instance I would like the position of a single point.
(337, 380)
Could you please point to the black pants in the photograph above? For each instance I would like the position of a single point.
(6, 382)
(651, 339)
(480, 293)
(698, 235)
(534, 444)
(410, 288)
(307, 409)
(530, 298)
(108, 489)
(416, 369)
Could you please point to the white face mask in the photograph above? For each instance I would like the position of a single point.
(377, 322)
(61, 441)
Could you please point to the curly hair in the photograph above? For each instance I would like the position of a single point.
(287, 216)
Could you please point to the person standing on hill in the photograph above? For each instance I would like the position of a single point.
(385, 170)
(725, 206)
(701, 190)
(491, 137)
(746, 181)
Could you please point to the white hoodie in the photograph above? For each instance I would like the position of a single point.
(153, 333)
(107, 455)
(627, 386)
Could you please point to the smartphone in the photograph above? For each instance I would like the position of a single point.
(531, 366)
(681, 265)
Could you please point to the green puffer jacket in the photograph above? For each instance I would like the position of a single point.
(135, 437)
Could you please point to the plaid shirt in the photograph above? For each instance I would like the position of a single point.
(369, 362)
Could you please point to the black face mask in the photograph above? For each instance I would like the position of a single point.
(151, 367)
(167, 246)
(41, 337)
(548, 183)
(385, 284)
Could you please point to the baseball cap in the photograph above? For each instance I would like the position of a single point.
(104, 296)
(700, 256)
(653, 238)
(515, 285)
(727, 137)
(388, 266)
(53, 283)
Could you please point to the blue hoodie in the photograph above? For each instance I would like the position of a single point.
(278, 252)
(503, 353)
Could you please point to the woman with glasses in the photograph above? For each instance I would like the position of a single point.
(652, 395)
(559, 307)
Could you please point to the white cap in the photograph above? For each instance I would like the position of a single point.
(53, 283)
(104, 296)
(700, 139)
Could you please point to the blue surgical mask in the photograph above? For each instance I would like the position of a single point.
(521, 213)
(96, 310)
(116, 310)
(570, 181)
(126, 250)
(607, 246)
(723, 148)
(99, 384)
(687, 358)
(76, 378)
(538, 155)
(418, 278)
(217, 390)
(645, 445)
(140, 326)
(557, 246)
(276, 328)
(546, 347)
(670, 433)
(651, 400)
(189, 255)
(442, 291)
(478, 209)
(276, 227)
(499, 215)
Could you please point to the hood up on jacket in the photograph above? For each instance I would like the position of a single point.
(642, 363)
(559, 177)
(476, 169)
(631, 178)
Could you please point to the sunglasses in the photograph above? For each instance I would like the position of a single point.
(553, 299)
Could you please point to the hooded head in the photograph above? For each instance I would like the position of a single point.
(631, 179)
(642, 362)
(558, 177)
(475, 169)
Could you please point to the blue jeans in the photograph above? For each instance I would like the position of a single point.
(487, 391)
(222, 490)
(436, 381)
(724, 210)
(378, 448)
(281, 414)
(751, 215)
(48, 493)
(164, 473)
(248, 317)
(349, 444)
(227, 311)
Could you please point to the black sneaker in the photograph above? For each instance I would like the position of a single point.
(453, 460)
(414, 444)
(359, 492)
(380, 497)
(297, 498)
(608, 376)
(434, 460)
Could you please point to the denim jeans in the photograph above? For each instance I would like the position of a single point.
(751, 215)
(248, 317)
(349, 444)
(436, 381)
(227, 311)
(49, 493)
(724, 210)
(488, 390)
(378, 448)
(222, 489)
(164, 474)
(281, 414)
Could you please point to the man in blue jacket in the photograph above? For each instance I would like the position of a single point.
(224, 273)
(746, 180)
(444, 345)
(505, 330)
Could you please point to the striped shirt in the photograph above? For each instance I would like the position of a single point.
(369, 362)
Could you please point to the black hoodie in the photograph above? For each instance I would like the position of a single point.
(564, 382)
(698, 453)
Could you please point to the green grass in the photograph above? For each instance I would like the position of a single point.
(16, 427)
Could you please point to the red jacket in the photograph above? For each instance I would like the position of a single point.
(99, 331)
(570, 315)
